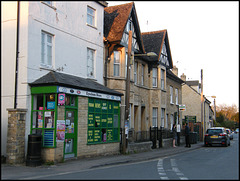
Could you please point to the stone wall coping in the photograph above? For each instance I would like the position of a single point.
(17, 110)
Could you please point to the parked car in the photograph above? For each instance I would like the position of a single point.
(216, 135)
(237, 130)
(230, 133)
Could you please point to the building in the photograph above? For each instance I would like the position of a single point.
(191, 98)
(59, 93)
(148, 85)
(174, 98)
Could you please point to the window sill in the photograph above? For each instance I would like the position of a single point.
(49, 5)
(91, 26)
(46, 67)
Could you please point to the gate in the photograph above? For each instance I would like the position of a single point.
(154, 136)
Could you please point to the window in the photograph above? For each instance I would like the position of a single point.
(176, 96)
(48, 2)
(154, 117)
(46, 49)
(162, 79)
(154, 76)
(171, 94)
(142, 75)
(171, 121)
(43, 117)
(91, 16)
(90, 63)
(103, 121)
(162, 116)
(135, 72)
(164, 55)
(116, 65)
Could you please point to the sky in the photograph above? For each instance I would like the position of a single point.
(202, 35)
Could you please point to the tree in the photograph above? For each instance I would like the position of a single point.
(227, 116)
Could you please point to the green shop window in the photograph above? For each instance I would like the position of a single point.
(44, 117)
(103, 121)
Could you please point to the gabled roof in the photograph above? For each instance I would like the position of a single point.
(153, 42)
(115, 20)
(172, 76)
(60, 79)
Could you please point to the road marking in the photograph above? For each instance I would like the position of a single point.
(174, 168)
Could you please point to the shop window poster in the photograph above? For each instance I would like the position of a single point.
(60, 130)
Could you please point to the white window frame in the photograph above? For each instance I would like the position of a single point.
(154, 116)
(135, 72)
(142, 75)
(162, 79)
(162, 117)
(91, 16)
(116, 63)
(176, 96)
(171, 95)
(154, 77)
(90, 62)
(171, 120)
(46, 54)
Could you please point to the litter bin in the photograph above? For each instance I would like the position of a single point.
(34, 150)
(193, 137)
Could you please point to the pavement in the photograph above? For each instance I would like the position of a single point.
(22, 171)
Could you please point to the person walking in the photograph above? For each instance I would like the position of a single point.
(187, 133)
(174, 135)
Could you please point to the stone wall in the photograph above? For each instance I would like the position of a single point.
(16, 136)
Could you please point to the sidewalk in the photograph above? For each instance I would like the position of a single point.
(76, 165)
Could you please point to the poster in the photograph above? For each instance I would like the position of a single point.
(60, 130)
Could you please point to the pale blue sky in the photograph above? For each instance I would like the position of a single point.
(202, 35)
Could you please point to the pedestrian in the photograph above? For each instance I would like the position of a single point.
(187, 133)
(174, 135)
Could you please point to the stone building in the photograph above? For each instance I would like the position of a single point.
(148, 86)
(174, 98)
(191, 98)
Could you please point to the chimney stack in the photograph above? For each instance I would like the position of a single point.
(183, 77)
(175, 70)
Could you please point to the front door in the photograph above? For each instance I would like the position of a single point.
(70, 143)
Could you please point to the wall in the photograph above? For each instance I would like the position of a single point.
(72, 36)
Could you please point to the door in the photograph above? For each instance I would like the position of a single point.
(70, 143)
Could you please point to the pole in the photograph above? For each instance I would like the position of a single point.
(203, 124)
(127, 94)
(16, 70)
(214, 110)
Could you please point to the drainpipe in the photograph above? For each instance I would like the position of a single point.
(17, 49)
(106, 62)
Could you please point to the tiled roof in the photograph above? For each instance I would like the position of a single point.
(193, 83)
(172, 76)
(60, 79)
(115, 19)
(153, 42)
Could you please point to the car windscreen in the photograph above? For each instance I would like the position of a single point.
(214, 131)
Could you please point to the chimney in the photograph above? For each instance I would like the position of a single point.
(183, 77)
(175, 70)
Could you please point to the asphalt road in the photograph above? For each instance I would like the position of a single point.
(208, 163)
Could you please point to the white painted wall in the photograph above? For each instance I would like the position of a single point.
(72, 36)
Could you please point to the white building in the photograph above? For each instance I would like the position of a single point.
(62, 36)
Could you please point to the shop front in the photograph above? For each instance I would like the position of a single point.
(74, 121)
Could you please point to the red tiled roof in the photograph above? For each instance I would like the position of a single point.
(114, 28)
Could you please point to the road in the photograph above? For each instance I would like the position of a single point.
(208, 163)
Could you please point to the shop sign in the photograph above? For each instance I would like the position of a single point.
(87, 93)
(182, 107)
(60, 130)
(51, 105)
(61, 99)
